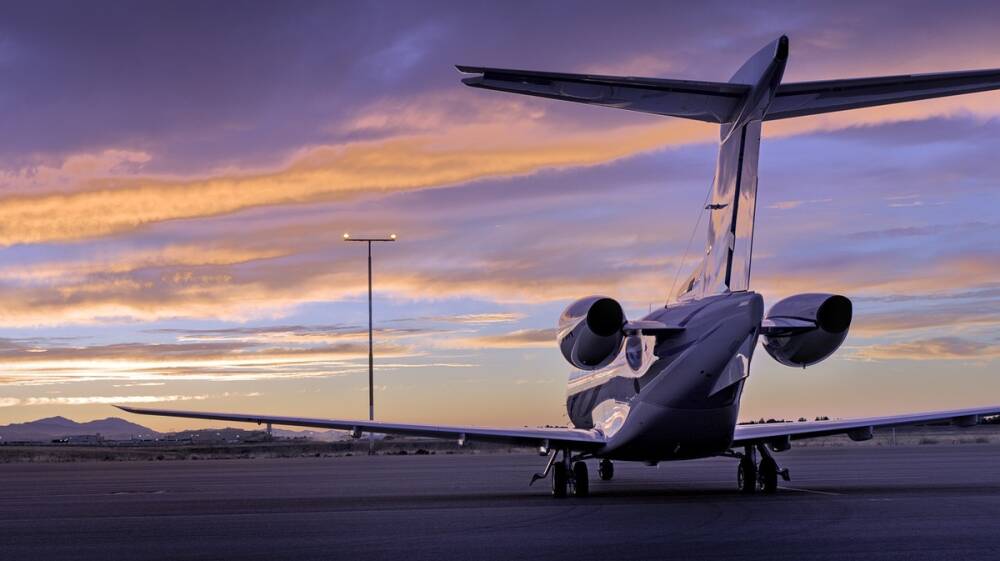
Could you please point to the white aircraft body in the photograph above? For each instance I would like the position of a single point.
(668, 387)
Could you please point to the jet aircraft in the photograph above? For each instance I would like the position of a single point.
(668, 386)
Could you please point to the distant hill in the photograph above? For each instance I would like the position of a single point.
(112, 428)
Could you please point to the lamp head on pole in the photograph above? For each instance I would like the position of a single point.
(349, 238)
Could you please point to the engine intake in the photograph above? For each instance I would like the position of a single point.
(590, 332)
(806, 328)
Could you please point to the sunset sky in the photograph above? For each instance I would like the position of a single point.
(175, 179)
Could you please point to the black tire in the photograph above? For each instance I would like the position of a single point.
(560, 480)
(606, 470)
(746, 476)
(768, 475)
(581, 480)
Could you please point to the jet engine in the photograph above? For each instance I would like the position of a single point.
(590, 332)
(804, 329)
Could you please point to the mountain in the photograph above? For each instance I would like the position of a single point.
(114, 428)
(42, 430)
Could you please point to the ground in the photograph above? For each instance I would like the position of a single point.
(902, 502)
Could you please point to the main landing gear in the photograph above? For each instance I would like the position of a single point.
(568, 475)
(752, 476)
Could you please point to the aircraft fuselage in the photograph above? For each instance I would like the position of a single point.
(676, 397)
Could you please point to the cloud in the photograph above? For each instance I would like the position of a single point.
(912, 316)
(294, 334)
(75, 270)
(30, 363)
(457, 155)
(471, 319)
(68, 173)
(453, 154)
(923, 231)
(522, 338)
(788, 205)
(91, 400)
(110, 400)
(877, 273)
(939, 348)
(641, 65)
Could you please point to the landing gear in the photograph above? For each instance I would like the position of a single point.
(752, 477)
(581, 483)
(769, 471)
(606, 470)
(767, 475)
(746, 474)
(567, 475)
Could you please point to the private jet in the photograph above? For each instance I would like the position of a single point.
(668, 386)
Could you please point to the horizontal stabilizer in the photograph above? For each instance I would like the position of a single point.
(580, 439)
(783, 327)
(649, 327)
(712, 102)
(811, 98)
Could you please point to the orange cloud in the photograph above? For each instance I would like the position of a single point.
(444, 154)
(940, 348)
(519, 339)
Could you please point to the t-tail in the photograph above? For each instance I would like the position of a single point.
(753, 95)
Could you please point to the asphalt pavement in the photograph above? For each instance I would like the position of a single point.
(909, 502)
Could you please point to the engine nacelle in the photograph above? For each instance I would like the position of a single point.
(806, 328)
(590, 332)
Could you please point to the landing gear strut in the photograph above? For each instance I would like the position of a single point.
(606, 470)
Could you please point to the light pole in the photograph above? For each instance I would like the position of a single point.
(371, 354)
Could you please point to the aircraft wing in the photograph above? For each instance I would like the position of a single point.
(712, 102)
(578, 439)
(856, 428)
(811, 98)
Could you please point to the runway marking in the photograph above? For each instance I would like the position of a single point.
(831, 493)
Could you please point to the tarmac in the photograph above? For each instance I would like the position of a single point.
(907, 502)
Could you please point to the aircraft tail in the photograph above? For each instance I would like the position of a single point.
(753, 95)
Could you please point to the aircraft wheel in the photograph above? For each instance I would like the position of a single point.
(581, 482)
(560, 480)
(606, 470)
(746, 476)
(768, 475)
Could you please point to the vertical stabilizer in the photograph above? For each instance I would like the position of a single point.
(726, 263)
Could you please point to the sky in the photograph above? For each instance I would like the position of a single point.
(176, 178)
